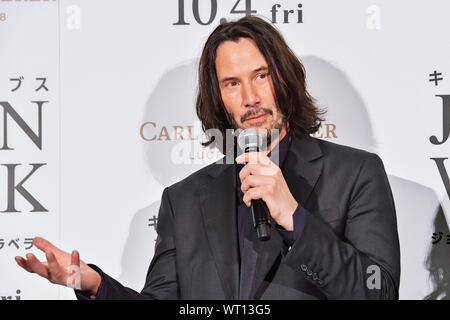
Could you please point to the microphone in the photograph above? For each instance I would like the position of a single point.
(250, 140)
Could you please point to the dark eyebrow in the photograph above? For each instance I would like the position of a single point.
(262, 68)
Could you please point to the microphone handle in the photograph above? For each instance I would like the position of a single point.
(261, 222)
(260, 212)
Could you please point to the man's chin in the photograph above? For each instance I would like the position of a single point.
(261, 127)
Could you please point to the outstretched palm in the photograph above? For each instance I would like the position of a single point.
(61, 267)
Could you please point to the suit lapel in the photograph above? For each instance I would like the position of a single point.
(302, 168)
(218, 207)
(301, 174)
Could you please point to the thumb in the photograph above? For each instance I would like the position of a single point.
(74, 278)
(75, 258)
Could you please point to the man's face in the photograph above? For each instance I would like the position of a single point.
(246, 87)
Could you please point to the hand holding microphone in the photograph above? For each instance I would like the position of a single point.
(264, 187)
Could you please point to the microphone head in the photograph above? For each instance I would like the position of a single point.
(250, 140)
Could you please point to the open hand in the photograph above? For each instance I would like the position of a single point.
(61, 267)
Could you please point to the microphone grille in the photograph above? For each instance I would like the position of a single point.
(250, 138)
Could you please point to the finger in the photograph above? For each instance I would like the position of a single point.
(33, 265)
(56, 271)
(253, 194)
(249, 169)
(257, 169)
(75, 258)
(21, 262)
(74, 278)
(24, 264)
(52, 262)
(256, 181)
(43, 244)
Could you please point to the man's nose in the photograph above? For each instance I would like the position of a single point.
(250, 97)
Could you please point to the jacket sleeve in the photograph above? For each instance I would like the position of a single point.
(365, 263)
(161, 282)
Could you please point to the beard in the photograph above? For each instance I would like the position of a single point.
(268, 134)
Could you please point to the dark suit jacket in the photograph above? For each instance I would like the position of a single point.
(348, 249)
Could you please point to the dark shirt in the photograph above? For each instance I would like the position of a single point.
(245, 224)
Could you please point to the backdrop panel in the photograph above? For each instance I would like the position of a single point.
(97, 117)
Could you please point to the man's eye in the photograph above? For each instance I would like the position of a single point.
(262, 75)
(232, 83)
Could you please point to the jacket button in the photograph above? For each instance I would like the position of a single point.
(315, 277)
(320, 282)
(309, 272)
(303, 267)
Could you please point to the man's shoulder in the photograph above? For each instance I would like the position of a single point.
(334, 149)
(346, 156)
(195, 180)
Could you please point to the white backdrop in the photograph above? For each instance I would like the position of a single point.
(116, 83)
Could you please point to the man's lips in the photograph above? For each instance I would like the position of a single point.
(257, 118)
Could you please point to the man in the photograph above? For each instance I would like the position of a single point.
(333, 230)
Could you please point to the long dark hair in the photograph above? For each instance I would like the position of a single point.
(286, 70)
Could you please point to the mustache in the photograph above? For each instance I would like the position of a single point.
(255, 112)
